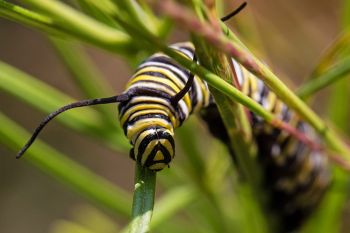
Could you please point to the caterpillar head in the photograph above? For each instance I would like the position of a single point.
(154, 148)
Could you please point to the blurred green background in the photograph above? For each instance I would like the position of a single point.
(290, 36)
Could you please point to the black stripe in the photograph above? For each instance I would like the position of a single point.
(194, 96)
(263, 94)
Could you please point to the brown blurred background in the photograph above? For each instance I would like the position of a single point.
(289, 35)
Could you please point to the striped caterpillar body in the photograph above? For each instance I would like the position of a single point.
(150, 116)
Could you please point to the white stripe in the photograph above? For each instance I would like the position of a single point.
(199, 96)
(184, 108)
(265, 103)
(260, 85)
(239, 72)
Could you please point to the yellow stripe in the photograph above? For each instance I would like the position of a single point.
(148, 151)
(278, 108)
(152, 100)
(271, 98)
(159, 156)
(149, 107)
(145, 123)
(168, 147)
(245, 77)
(139, 140)
(253, 85)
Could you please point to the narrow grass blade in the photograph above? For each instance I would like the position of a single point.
(65, 170)
(337, 111)
(332, 75)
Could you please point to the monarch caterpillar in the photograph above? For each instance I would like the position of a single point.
(161, 96)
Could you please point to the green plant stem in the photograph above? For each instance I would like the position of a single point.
(143, 201)
(334, 74)
(65, 170)
(69, 20)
